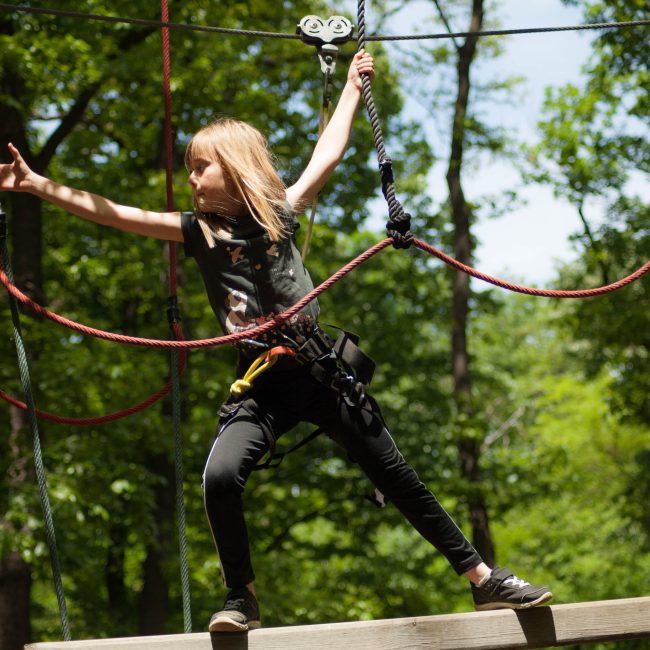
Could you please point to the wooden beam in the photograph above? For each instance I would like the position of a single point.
(577, 623)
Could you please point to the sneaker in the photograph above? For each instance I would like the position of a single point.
(240, 613)
(503, 590)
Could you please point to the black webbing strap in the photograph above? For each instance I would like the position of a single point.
(347, 349)
(275, 459)
(324, 356)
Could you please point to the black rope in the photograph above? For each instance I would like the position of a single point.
(514, 32)
(399, 222)
(262, 34)
(180, 494)
(158, 24)
(39, 465)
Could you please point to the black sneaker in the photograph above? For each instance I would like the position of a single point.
(503, 590)
(240, 613)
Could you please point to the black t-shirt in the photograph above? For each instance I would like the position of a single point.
(250, 279)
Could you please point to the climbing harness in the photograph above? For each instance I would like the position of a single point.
(340, 365)
(325, 35)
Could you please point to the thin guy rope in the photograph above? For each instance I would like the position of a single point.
(324, 286)
(99, 419)
(531, 291)
(39, 465)
(282, 35)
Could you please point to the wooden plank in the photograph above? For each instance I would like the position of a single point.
(557, 625)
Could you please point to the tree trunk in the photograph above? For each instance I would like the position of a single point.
(118, 604)
(154, 598)
(468, 447)
(15, 585)
(15, 573)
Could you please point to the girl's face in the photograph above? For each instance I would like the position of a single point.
(211, 188)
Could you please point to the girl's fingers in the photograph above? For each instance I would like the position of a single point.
(14, 152)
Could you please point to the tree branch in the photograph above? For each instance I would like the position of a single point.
(77, 110)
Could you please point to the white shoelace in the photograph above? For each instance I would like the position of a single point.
(514, 581)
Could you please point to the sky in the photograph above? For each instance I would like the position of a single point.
(526, 244)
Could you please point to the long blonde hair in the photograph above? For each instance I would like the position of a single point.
(247, 162)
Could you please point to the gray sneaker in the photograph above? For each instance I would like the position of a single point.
(240, 613)
(503, 590)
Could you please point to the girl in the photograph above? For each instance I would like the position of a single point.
(242, 234)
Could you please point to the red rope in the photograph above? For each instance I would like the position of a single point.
(256, 331)
(198, 343)
(173, 276)
(109, 417)
(169, 140)
(350, 266)
(548, 293)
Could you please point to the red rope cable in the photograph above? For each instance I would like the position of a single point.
(173, 281)
(547, 293)
(231, 338)
(197, 343)
(109, 417)
(350, 266)
(169, 141)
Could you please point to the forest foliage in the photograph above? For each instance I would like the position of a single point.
(563, 413)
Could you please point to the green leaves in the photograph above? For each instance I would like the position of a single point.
(561, 406)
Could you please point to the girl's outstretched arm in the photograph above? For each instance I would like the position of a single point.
(333, 142)
(18, 177)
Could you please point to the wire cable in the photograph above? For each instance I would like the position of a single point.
(39, 464)
(157, 24)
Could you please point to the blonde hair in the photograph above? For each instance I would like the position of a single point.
(247, 162)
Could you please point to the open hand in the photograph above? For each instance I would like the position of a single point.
(15, 176)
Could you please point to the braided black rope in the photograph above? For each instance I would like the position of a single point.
(399, 222)
(157, 24)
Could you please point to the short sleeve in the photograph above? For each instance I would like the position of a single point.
(188, 228)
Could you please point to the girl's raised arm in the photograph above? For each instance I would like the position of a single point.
(333, 142)
(18, 177)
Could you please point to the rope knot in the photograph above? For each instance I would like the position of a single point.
(239, 387)
(398, 227)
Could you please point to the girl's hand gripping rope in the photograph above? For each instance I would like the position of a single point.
(362, 63)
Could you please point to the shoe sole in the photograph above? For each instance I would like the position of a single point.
(225, 624)
(544, 598)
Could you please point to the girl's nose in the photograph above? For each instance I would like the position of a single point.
(191, 180)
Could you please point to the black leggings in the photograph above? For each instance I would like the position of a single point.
(283, 399)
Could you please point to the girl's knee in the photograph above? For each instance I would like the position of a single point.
(223, 478)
